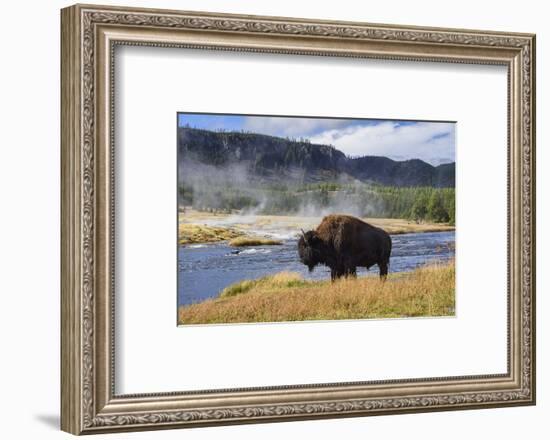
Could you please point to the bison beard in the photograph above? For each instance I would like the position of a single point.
(344, 243)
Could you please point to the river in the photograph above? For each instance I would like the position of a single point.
(206, 269)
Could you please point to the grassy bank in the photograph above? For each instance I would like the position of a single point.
(253, 241)
(428, 291)
(190, 233)
(205, 227)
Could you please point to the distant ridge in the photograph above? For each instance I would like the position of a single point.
(270, 158)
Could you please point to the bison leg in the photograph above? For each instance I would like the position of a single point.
(383, 270)
(336, 273)
(351, 272)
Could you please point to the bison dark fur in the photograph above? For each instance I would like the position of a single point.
(344, 243)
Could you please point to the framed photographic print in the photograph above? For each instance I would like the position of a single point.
(269, 219)
(248, 186)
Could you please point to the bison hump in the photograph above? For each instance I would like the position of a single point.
(334, 221)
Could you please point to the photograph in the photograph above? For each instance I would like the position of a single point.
(291, 218)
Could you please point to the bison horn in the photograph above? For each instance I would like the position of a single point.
(304, 235)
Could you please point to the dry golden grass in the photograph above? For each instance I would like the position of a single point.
(428, 291)
(401, 226)
(279, 280)
(190, 233)
(253, 241)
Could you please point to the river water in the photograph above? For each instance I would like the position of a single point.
(206, 269)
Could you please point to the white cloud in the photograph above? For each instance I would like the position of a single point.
(292, 127)
(432, 142)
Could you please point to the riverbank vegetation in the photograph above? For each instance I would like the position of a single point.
(192, 233)
(427, 291)
(253, 241)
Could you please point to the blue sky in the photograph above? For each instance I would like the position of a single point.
(433, 142)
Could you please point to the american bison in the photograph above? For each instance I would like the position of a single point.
(343, 243)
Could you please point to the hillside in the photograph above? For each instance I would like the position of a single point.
(269, 158)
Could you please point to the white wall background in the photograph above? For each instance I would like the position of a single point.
(29, 232)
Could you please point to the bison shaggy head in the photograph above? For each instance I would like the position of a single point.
(311, 249)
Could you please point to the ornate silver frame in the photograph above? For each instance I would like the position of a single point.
(88, 37)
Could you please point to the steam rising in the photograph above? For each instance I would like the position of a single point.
(232, 189)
